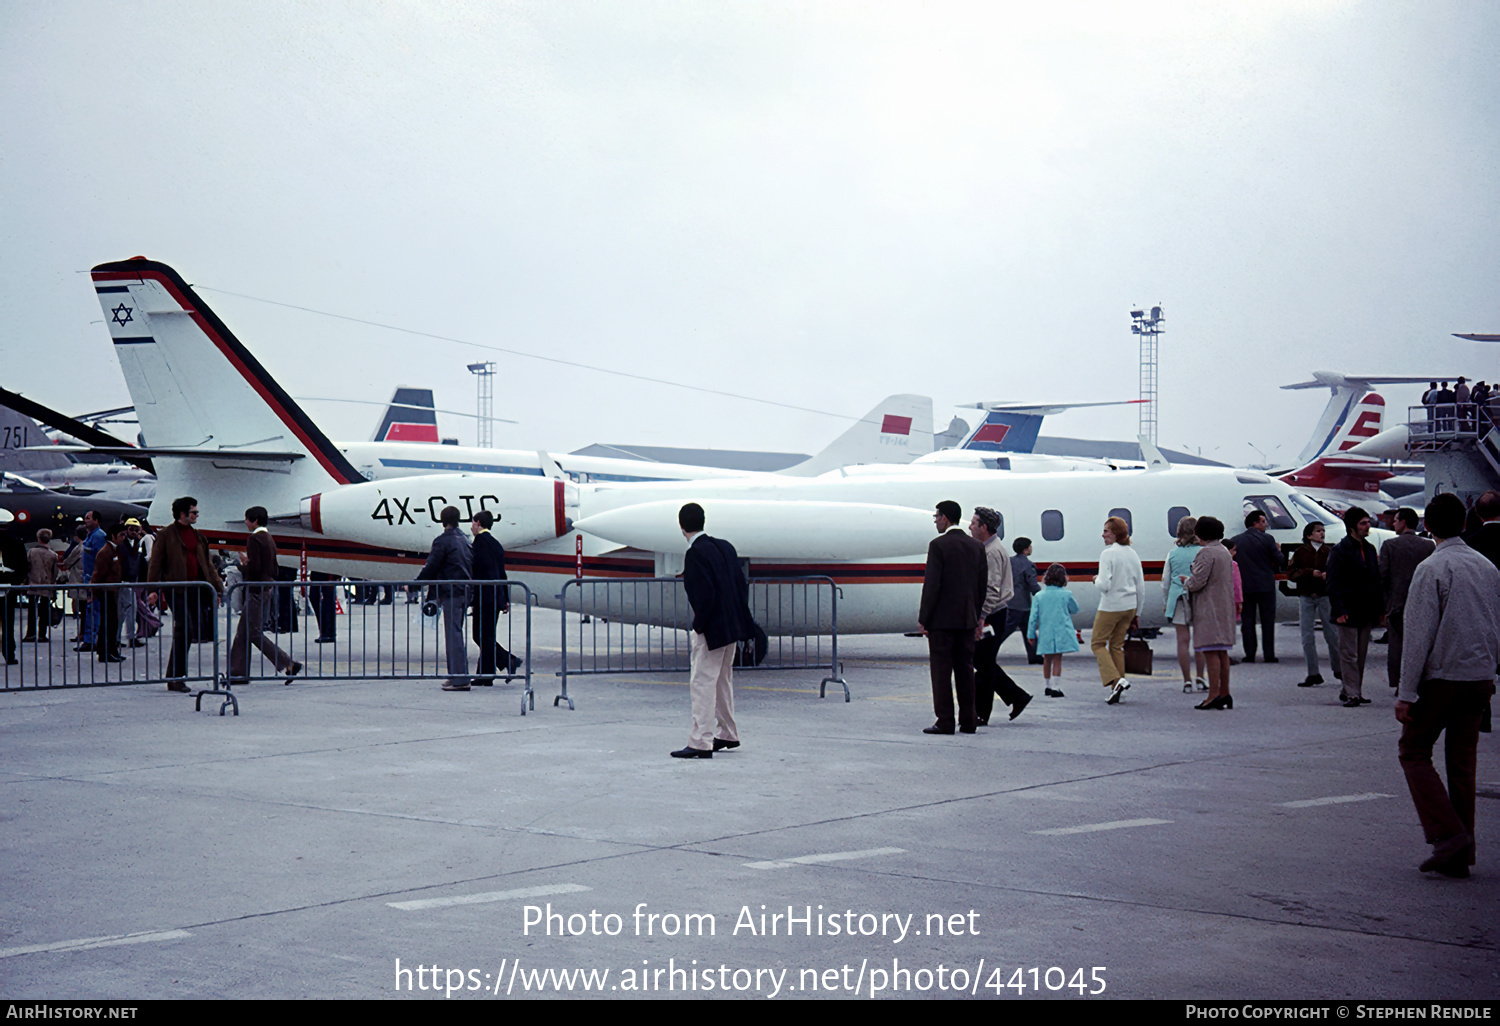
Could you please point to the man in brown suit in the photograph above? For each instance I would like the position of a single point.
(180, 553)
(260, 574)
(952, 595)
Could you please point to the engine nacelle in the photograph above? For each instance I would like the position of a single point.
(404, 513)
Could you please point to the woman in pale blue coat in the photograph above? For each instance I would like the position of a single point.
(1051, 625)
(1179, 607)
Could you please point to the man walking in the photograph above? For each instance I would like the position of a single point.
(1399, 557)
(451, 559)
(180, 554)
(1309, 577)
(1259, 559)
(490, 600)
(259, 574)
(1355, 599)
(989, 677)
(720, 598)
(953, 592)
(1452, 646)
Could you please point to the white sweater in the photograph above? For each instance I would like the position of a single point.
(1121, 581)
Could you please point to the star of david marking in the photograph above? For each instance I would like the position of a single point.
(120, 310)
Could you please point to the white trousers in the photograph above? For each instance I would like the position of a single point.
(712, 688)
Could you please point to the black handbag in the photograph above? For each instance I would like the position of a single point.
(1137, 655)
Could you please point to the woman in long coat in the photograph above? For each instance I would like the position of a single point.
(1211, 584)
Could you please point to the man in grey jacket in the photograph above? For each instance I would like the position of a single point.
(1447, 678)
(451, 559)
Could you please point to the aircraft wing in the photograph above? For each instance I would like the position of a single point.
(79, 430)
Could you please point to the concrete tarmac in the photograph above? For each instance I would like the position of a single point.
(365, 840)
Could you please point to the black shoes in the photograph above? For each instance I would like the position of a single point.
(1270, 659)
(1020, 706)
(720, 744)
(934, 729)
(450, 686)
(1053, 693)
(692, 753)
(106, 657)
(1450, 857)
(323, 641)
(1312, 681)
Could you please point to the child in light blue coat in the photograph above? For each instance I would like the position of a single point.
(1051, 625)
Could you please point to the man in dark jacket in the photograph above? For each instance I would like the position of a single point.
(1309, 577)
(490, 600)
(952, 596)
(1356, 600)
(109, 569)
(1485, 539)
(720, 596)
(1399, 557)
(451, 559)
(260, 571)
(1259, 558)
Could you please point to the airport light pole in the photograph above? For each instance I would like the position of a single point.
(485, 372)
(1148, 327)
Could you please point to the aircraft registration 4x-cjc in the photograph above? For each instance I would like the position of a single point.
(221, 429)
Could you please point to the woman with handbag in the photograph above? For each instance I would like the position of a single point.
(1211, 584)
(1122, 596)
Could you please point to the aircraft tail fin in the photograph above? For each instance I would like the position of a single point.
(897, 430)
(1330, 466)
(17, 431)
(200, 393)
(410, 417)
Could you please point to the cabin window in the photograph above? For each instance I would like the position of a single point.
(1052, 525)
(1277, 518)
(1174, 517)
(1124, 514)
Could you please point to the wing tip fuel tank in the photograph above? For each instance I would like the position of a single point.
(767, 528)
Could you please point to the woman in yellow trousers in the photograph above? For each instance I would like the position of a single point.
(1122, 594)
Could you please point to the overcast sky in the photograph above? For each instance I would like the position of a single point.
(815, 204)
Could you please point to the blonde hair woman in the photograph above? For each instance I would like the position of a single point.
(1122, 596)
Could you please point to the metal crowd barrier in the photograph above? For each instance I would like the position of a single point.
(384, 640)
(640, 625)
(133, 626)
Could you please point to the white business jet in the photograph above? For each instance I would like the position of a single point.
(222, 430)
